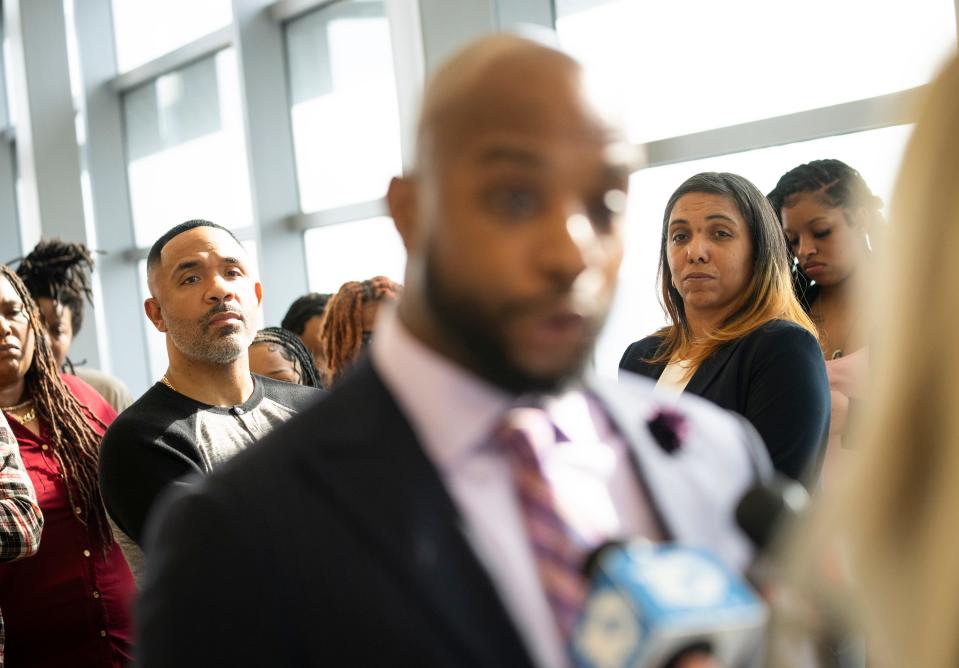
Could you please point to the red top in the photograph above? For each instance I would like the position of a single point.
(69, 605)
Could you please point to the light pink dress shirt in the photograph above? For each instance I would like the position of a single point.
(454, 414)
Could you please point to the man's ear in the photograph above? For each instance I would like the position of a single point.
(402, 203)
(152, 308)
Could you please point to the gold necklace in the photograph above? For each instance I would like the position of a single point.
(26, 418)
(166, 381)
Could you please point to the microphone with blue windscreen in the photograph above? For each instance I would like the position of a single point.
(649, 604)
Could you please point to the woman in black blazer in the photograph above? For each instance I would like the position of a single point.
(738, 336)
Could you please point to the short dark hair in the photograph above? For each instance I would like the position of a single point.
(840, 186)
(153, 258)
(308, 306)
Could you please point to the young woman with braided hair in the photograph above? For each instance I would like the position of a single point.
(349, 320)
(832, 222)
(280, 354)
(57, 274)
(69, 604)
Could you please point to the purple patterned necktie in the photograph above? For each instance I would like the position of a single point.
(559, 552)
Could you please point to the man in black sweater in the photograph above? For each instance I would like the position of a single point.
(207, 406)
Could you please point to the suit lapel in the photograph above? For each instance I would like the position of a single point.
(676, 500)
(710, 368)
(630, 421)
(393, 495)
(692, 490)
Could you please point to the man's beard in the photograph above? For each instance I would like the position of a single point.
(222, 347)
(481, 334)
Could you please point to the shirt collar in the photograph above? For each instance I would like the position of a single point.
(450, 409)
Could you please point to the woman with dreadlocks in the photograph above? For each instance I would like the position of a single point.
(57, 274)
(349, 320)
(280, 354)
(70, 604)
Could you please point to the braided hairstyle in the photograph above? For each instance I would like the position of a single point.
(75, 443)
(308, 306)
(839, 184)
(342, 330)
(293, 350)
(59, 270)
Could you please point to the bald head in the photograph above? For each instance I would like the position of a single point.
(512, 217)
(500, 82)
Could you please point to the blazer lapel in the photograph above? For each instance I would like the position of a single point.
(710, 368)
(394, 496)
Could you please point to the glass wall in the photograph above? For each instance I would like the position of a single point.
(346, 135)
(147, 29)
(690, 65)
(186, 150)
(344, 107)
(354, 251)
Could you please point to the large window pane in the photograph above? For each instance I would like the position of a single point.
(344, 108)
(354, 252)
(186, 151)
(636, 311)
(689, 65)
(146, 29)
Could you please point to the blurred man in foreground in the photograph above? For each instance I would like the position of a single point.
(436, 508)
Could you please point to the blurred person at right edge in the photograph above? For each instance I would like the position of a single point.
(832, 221)
(349, 322)
(883, 550)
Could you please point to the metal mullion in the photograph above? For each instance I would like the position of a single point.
(174, 60)
(284, 11)
(869, 114)
(301, 222)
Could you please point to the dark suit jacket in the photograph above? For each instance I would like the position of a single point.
(775, 377)
(333, 542)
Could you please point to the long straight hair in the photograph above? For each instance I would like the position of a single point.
(768, 295)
